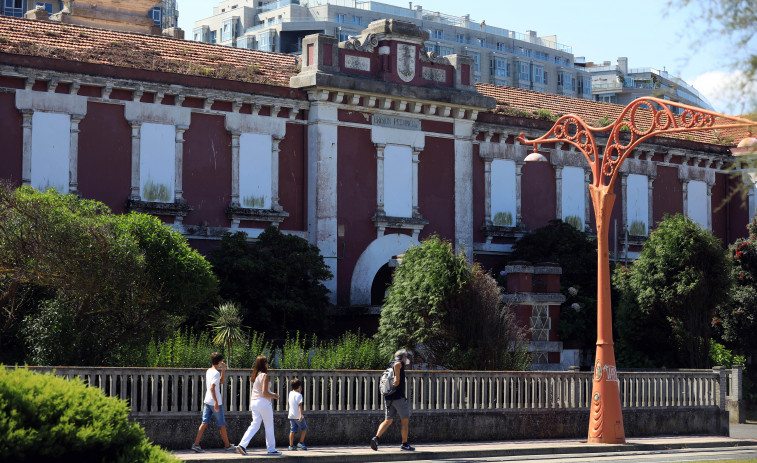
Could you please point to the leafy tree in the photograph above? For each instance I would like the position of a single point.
(276, 280)
(679, 279)
(449, 313)
(736, 321)
(107, 279)
(576, 253)
(226, 325)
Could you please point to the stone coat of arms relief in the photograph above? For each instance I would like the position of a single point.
(406, 61)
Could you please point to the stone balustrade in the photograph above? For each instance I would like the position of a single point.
(171, 391)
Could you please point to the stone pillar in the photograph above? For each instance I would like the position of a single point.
(650, 222)
(416, 213)
(380, 178)
(322, 181)
(624, 191)
(136, 127)
(235, 168)
(179, 164)
(275, 150)
(685, 185)
(26, 163)
(587, 200)
(464, 187)
(709, 206)
(518, 193)
(488, 191)
(73, 156)
(558, 192)
(735, 400)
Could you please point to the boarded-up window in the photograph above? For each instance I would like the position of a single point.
(637, 203)
(398, 181)
(503, 204)
(157, 162)
(51, 146)
(573, 197)
(697, 203)
(255, 170)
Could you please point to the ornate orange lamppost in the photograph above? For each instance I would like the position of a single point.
(641, 119)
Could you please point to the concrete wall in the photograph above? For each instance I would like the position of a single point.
(349, 427)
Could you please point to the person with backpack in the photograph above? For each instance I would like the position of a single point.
(395, 403)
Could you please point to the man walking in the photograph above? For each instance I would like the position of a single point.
(396, 404)
(215, 377)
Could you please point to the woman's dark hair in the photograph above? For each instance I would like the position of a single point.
(261, 366)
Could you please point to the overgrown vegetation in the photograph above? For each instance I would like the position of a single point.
(77, 281)
(48, 418)
(450, 313)
(276, 280)
(185, 349)
(576, 253)
(669, 296)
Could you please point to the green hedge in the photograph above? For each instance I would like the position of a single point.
(43, 416)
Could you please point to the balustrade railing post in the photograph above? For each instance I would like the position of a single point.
(721, 386)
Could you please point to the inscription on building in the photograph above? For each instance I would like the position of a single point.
(361, 63)
(394, 122)
(437, 75)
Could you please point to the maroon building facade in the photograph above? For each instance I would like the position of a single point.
(371, 146)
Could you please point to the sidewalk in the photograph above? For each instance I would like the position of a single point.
(435, 451)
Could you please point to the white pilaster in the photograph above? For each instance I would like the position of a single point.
(73, 155)
(179, 163)
(379, 177)
(235, 168)
(416, 161)
(518, 192)
(558, 192)
(487, 190)
(322, 184)
(136, 127)
(624, 193)
(26, 162)
(275, 150)
(650, 223)
(464, 187)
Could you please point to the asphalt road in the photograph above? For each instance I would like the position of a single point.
(733, 454)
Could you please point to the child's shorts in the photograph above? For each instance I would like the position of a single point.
(209, 410)
(297, 425)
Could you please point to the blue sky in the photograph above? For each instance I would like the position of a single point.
(645, 31)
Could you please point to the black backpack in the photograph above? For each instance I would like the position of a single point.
(386, 384)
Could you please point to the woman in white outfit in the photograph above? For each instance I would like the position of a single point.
(262, 410)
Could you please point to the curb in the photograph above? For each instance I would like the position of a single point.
(370, 456)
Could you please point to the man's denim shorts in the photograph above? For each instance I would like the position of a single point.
(295, 425)
(210, 410)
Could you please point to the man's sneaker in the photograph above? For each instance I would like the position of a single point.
(241, 450)
(197, 448)
(302, 446)
(407, 447)
(292, 447)
(275, 452)
(231, 448)
(374, 443)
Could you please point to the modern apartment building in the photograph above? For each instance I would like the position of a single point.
(500, 56)
(621, 84)
(165, 15)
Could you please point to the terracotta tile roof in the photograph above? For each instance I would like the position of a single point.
(77, 43)
(525, 103)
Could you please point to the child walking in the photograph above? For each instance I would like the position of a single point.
(215, 378)
(296, 418)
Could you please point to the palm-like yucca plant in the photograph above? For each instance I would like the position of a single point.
(226, 324)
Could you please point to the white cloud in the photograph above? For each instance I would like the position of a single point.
(729, 92)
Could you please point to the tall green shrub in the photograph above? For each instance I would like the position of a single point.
(451, 314)
(47, 418)
(679, 279)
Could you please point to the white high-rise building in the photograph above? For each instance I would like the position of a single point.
(500, 56)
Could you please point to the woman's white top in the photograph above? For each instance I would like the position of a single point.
(257, 387)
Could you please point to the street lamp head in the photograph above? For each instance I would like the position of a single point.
(535, 157)
(745, 146)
